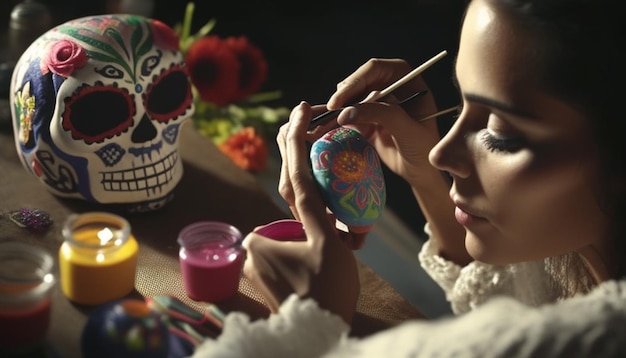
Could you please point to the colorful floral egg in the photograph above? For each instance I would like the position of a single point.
(348, 172)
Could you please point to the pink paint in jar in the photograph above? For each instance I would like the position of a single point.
(211, 260)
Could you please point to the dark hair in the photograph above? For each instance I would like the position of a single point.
(581, 59)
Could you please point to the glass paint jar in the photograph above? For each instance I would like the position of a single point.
(98, 259)
(26, 282)
(211, 259)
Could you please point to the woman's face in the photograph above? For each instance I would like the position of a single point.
(523, 162)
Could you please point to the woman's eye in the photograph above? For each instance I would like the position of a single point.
(501, 144)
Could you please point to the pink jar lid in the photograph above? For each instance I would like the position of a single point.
(283, 230)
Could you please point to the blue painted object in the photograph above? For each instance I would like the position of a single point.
(125, 328)
(348, 172)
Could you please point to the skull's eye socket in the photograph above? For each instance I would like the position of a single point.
(169, 96)
(99, 112)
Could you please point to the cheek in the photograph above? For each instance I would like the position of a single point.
(546, 205)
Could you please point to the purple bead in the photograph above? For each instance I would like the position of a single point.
(33, 219)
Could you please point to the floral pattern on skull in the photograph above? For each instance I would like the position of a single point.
(97, 107)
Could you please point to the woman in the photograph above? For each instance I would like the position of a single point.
(527, 239)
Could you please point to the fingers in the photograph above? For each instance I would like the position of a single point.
(261, 270)
(284, 184)
(375, 74)
(302, 189)
(304, 113)
(298, 154)
(278, 269)
(367, 116)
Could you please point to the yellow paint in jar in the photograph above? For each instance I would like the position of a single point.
(98, 259)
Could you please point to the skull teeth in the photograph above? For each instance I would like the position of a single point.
(150, 178)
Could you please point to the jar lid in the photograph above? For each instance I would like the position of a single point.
(30, 14)
(283, 230)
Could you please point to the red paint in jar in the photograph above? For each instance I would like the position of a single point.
(20, 327)
(26, 281)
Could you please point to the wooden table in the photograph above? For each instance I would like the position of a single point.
(212, 188)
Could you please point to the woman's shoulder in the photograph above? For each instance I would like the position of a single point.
(607, 298)
(587, 325)
(593, 324)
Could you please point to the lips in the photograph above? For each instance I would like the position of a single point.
(463, 214)
(464, 218)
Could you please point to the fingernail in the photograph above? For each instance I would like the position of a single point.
(347, 115)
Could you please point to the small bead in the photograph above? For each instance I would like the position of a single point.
(33, 219)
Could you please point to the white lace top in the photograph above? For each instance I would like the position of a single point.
(468, 287)
(490, 322)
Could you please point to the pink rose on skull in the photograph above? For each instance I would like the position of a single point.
(63, 57)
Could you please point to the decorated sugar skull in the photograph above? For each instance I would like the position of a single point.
(98, 103)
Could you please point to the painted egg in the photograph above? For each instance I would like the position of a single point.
(347, 170)
(125, 328)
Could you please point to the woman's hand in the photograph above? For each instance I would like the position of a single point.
(403, 144)
(401, 141)
(322, 267)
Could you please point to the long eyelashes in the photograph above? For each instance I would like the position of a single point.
(496, 144)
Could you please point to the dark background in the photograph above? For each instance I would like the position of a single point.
(311, 46)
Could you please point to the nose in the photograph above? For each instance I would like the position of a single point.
(452, 153)
(145, 131)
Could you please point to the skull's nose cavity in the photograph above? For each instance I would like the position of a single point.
(144, 131)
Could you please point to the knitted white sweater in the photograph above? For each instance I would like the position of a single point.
(489, 321)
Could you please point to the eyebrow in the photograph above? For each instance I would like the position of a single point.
(504, 107)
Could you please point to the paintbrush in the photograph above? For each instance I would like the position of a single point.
(327, 116)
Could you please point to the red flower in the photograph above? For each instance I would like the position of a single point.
(246, 149)
(253, 71)
(63, 57)
(164, 36)
(213, 69)
(225, 70)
